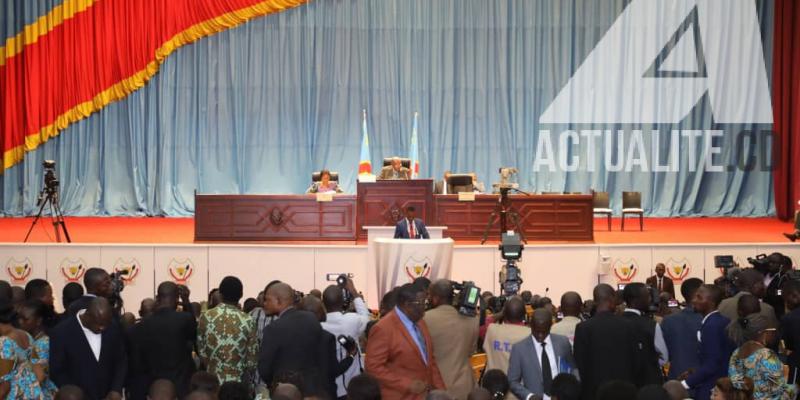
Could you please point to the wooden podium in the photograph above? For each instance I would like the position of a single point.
(382, 203)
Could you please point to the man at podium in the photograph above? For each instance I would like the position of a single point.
(410, 227)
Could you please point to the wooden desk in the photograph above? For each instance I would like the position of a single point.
(543, 217)
(382, 203)
(274, 217)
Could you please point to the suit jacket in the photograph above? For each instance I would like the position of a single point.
(680, 334)
(647, 366)
(728, 309)
(164, 342)
(605, 350)
(388, 173)
(285, 349)
(790, 333)
(395, 361)
(401, 229)
(772, 298)
(73, 363)
(714, 353)
(525, 370)
(668, 285)
(455, 339)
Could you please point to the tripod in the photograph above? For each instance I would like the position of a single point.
(503, 210)
(49, 195)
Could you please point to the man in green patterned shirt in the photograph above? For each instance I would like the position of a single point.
(226, 336)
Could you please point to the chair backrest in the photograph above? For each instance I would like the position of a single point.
(631, 200)
(315, 177)
(573, 192)
(600, 200)
(406, 162)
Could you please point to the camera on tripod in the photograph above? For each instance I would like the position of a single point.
(510, 250)
(51, 182)
(467, 298)
(49, 196)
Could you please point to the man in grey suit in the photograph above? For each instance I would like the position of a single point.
(535, 361)
(440, 187)
(395, 171)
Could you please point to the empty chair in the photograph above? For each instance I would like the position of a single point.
(632, 204)
(602, 205)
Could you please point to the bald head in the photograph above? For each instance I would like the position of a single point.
(751, 281)
(147, 307)
(441, 292)
(162, 389)
(167, 294)
(69, 392)
(314, 305)
(540, 324)
(514, 310)
(287, 391)
(97, 317)
(278, 298)
(571, 304)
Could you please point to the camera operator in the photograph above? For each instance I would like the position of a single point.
(340, 322)
(454, 337)
(98, 284)
(774, 276)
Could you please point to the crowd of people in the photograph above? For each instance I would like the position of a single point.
(731, 339)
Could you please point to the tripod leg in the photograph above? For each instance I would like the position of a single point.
(61, 220)
(516, 218)
(489, 226)
(35, 220)
(54, 216)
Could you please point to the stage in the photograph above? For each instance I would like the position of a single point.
(181, 231)
(159, 249)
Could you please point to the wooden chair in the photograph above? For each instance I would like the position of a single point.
(602, 205)
(478, 363)
(632, 204)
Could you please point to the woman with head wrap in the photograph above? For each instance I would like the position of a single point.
(754, 360)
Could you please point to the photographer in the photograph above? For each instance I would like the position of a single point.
(454, 337)
(775, 275)
(98, 284)
(352, 325)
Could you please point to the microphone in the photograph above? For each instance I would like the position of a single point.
(546, 290)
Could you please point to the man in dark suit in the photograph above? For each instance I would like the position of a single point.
(790, 328)
(440, 187)
(661, 282)
(88, 350)
(290, 344)
(680, 332)
(715, 347)
(164, 341)
(652, 349)
(410, 227)
(330, 366)
(98, 284)
(774, 278)
(537, 359)
(605, 345)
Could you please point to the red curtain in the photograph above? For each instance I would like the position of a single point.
(83, 55)
(786, 106)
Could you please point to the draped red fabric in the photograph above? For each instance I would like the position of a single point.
(786, 107)
(98, 56)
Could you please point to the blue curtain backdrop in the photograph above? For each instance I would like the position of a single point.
(258, 108)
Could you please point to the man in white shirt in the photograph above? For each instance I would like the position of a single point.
(350, 324)
(88, 351)
(536, 360)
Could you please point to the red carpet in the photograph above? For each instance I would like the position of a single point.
(181, 230)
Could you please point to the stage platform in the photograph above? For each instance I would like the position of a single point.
(181, 230)
(159, 249)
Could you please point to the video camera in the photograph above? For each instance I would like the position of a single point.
(347, 343)
(341, 281)
(51, 182)
(510, 250)
(117, 286)
(467, 298)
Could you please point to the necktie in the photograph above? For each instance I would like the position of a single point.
(547, 373)
(421, 340)
(411, 229)
(660, 284)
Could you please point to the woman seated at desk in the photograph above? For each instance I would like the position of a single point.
(325, 184)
